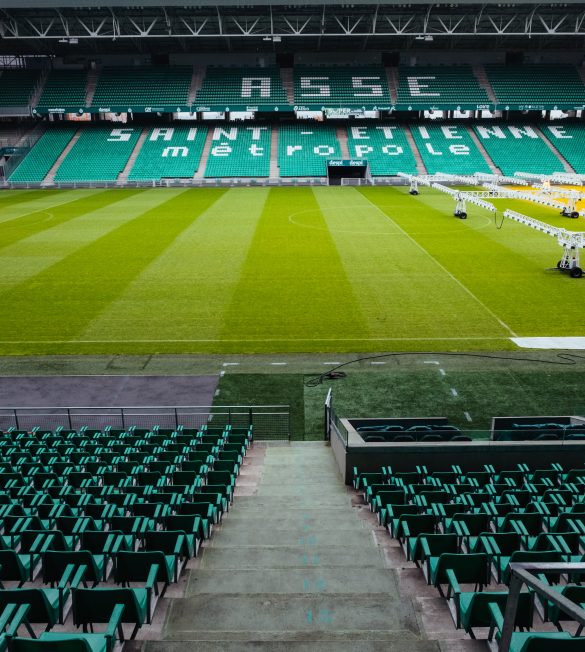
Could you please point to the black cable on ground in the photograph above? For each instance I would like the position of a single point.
(563, 359)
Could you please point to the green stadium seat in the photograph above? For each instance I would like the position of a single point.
(536, 86)
(384, 146)
(422, 87)
(340, 86)
(169, 152)
(63, 89)
(36, 164)
(569, 139)
(100, 154)
(151, 87)
(448, 148)
(471, 608)
(17, 86)
(303, 150)
(225, 88)
(239, 152)
(515, 148)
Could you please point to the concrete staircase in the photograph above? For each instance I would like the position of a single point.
(565, 166)
(341, 133)
(481, 76)
(483, 150)
(92, 79)
(49, 179)
(123, 176)
(292, 567)
(286, 76)
(204, 155)
(420, 166)
(274, 169)
(196, 81)
(392, 77)
(38, 91)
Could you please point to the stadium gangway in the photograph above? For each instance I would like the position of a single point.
(497, 179)
(568, 209)
(570, 241)
(461, 198)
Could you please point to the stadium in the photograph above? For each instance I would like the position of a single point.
(292, 326)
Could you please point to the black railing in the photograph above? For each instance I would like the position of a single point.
(271, 422)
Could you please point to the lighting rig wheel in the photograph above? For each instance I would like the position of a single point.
(574, 215)
(576, 272)
(560, 264)
(462, 215)
(413, 192)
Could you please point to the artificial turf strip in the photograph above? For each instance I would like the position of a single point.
(263, 389)
(261, 270)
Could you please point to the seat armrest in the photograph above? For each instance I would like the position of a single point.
(114, 623)
(453, 583)
(497, 619)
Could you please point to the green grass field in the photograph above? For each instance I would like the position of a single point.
(258, 270)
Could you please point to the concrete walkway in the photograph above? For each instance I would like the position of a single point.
(292, 567)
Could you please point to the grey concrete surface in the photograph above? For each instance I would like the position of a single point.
(293, 567)
(100, 391)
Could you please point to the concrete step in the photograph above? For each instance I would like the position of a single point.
(123, 176)
(274, 169)
(565, 165)
(494, 169)
(482, 78)
(271, 537)
(50, 176)
(392, 77)
(341, 133)
(291, 557)
(276, 617)
(362, 581)
(204, 155)
(420, 166)
(92, 79)
(307, 519)
(394, 644)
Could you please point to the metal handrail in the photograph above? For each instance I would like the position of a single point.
(522, 573)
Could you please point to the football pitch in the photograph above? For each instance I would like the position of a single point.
(268, 270)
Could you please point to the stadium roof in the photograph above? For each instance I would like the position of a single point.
(71, 27)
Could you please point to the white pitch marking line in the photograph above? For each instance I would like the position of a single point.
(430, 362)
(468, 416)
(216, 392)
(264, 340)
(377, 363)
(454, 278)
(231, 364)
(279, 364)
(442, 372)
(222, 373)
(328, 363)
(454, 391)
